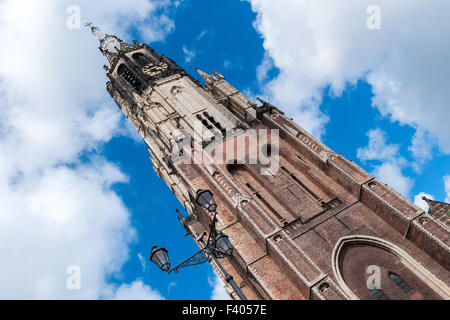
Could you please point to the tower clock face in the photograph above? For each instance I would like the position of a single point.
(154, 69)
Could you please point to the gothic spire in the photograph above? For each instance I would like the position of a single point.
(109, 45)
(207, 77)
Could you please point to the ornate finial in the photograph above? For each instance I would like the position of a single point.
(91, 26)
(108, 43)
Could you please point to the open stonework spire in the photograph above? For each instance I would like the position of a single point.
(108, 43)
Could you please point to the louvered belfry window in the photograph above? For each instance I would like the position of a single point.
(129, 77)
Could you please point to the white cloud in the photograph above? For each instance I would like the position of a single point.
(57, 210)
(234, 63)
(447, 188)
(142, 261)
(171, 285)
(391, 174)
(377, 148)
(193, 50)
(202, 34)
(57, 218)
(389, 163)
(137, 291)
(422, 203)
(263, 69)
(219, 292)
(316, 44)
(421, 148)
(188, 54)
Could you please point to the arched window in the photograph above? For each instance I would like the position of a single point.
(124, 72)
(141, 59)
(215, 123)
(349, 262)
(377, 293)
(399, 282)
(204, 122)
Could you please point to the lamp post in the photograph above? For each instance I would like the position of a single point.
(217, 246)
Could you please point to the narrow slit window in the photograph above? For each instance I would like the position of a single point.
(206, 124)
(300, 158)
(264, 201)
(214, 122)
(250, 187)
(399, 282)
(294, 177)
(377, 293)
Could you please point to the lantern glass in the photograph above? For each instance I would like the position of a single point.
(223, 245)
(206, 200)
(160, 257)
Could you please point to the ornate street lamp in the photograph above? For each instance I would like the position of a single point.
(160, 257)
(217, 246)
(205, 199)
(223, 245)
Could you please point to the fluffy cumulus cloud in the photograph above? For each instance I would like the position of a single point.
(58, 208)
(218, 292)
(326, 44)
(421, 148)
(378, 149)
(388, 165)
(391, 174)
(136, 291)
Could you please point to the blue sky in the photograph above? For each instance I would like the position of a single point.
(76, 182)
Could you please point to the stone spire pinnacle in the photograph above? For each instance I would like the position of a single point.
(207, 77)
(108, 43)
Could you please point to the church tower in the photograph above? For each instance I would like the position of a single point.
(305, 222)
